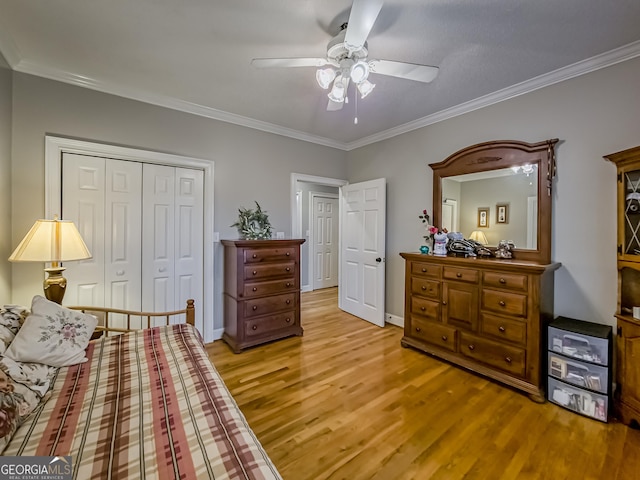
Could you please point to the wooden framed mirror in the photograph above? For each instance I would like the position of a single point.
(509, 184)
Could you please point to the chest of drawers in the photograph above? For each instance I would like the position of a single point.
(486, 315)
(261, 291)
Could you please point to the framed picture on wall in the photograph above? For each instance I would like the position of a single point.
(483, 217)
(502, 213)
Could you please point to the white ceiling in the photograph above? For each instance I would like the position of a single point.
(194, 55)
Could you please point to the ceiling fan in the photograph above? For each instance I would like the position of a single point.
(347, 59)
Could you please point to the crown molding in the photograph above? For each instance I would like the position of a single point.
(612, 57)
(607, 59)
(169, 102)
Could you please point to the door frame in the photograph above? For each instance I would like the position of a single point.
(313, 195)
(56, 146)
(296, 208)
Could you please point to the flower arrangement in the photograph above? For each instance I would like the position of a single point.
(431, 229)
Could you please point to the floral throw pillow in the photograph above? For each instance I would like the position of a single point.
(13, 408)
(11, 319)
(53, 335)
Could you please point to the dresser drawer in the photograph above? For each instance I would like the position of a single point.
(434, 333)
(504, 357)
(426, 270)
(425, 308)
(510, 281)
(502, 328)
(257, 255)
(424, 287)
(269, 287)
(461, 274)
(264, 325)
(264, 306)
(258, 272)
(506, 303)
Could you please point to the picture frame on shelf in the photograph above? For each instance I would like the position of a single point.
(483, 217)
(502, 213)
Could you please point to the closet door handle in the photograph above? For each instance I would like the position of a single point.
(120, 273)
(162, 269)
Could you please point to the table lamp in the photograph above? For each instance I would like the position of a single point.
(479, 237)
(52, 241)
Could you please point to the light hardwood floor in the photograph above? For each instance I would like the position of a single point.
(346, 401)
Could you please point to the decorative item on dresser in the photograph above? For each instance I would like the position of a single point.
(627, 393)
(261, 291)
(488, 315)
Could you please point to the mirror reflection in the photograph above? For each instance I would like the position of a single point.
(493, 205)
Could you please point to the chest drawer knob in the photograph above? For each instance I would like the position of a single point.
(255, 307)
(502, 280)
(501, 303)
(444, 338)
(288, 302)
(472, 347)
(255, 327)
(423, 308)
(423, 287)
(254, 272)
(288, 320)
(255, 255)
(444, 302)
(288, 254)
(418, 329)
(255, 289)
(288, 269)
(459, 275)
(424, 270)
(507, 359)
(501, 328)
(288, 284)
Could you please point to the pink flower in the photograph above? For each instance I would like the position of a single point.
(433, 230)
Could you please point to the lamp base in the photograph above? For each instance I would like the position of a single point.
(55, 284)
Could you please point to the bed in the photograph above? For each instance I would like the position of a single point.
(145, 403)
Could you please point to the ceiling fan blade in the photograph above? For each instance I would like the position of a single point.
(334, 106)
(361, 19)
(288, 62)
(410, 71)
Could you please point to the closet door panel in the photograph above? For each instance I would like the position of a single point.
(123, 267)
(158, 239)
(83, 193)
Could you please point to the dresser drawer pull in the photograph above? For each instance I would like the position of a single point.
(472, 346)
(444, 338)
(444, 302)
(255, 255)
(501, 303)
(424, 270)
(501, 328)
(507, 359)
(288, 302)
(288, 269)
(423, 308)
(502, 280)
(288, 284)
(255, 327)
(288, 254)
(288, 320)
(418, 329)
(254, 272)
(255, 307)
(423, 287)
(459, 275)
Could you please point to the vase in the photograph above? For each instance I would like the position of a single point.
(440, 244)
(424, 249)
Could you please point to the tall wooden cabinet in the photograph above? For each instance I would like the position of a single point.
(261, 291)
(488, 316)
(627, 395)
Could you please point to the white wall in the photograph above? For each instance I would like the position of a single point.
(5, 181)
(249, 164)
(592, 115)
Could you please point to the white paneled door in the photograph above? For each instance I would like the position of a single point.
(325, 241)
(362, 248)
(143, 224)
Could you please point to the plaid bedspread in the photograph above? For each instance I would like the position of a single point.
(148, 404)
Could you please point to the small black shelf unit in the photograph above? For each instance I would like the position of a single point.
(579, 360)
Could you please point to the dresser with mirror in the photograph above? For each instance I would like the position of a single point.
(488, 314)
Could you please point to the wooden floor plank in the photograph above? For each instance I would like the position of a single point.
(346, 401)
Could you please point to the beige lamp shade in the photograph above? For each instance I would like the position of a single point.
(479, 237)
(51, 241)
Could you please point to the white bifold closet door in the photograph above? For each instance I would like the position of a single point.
(143, 224)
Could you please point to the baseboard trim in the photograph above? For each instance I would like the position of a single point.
(306, 288)
(394, 320)
(217, 333)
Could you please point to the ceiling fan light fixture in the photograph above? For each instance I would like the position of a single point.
(338, 91)
(365, 88)
(359, 71)
(325, 76)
